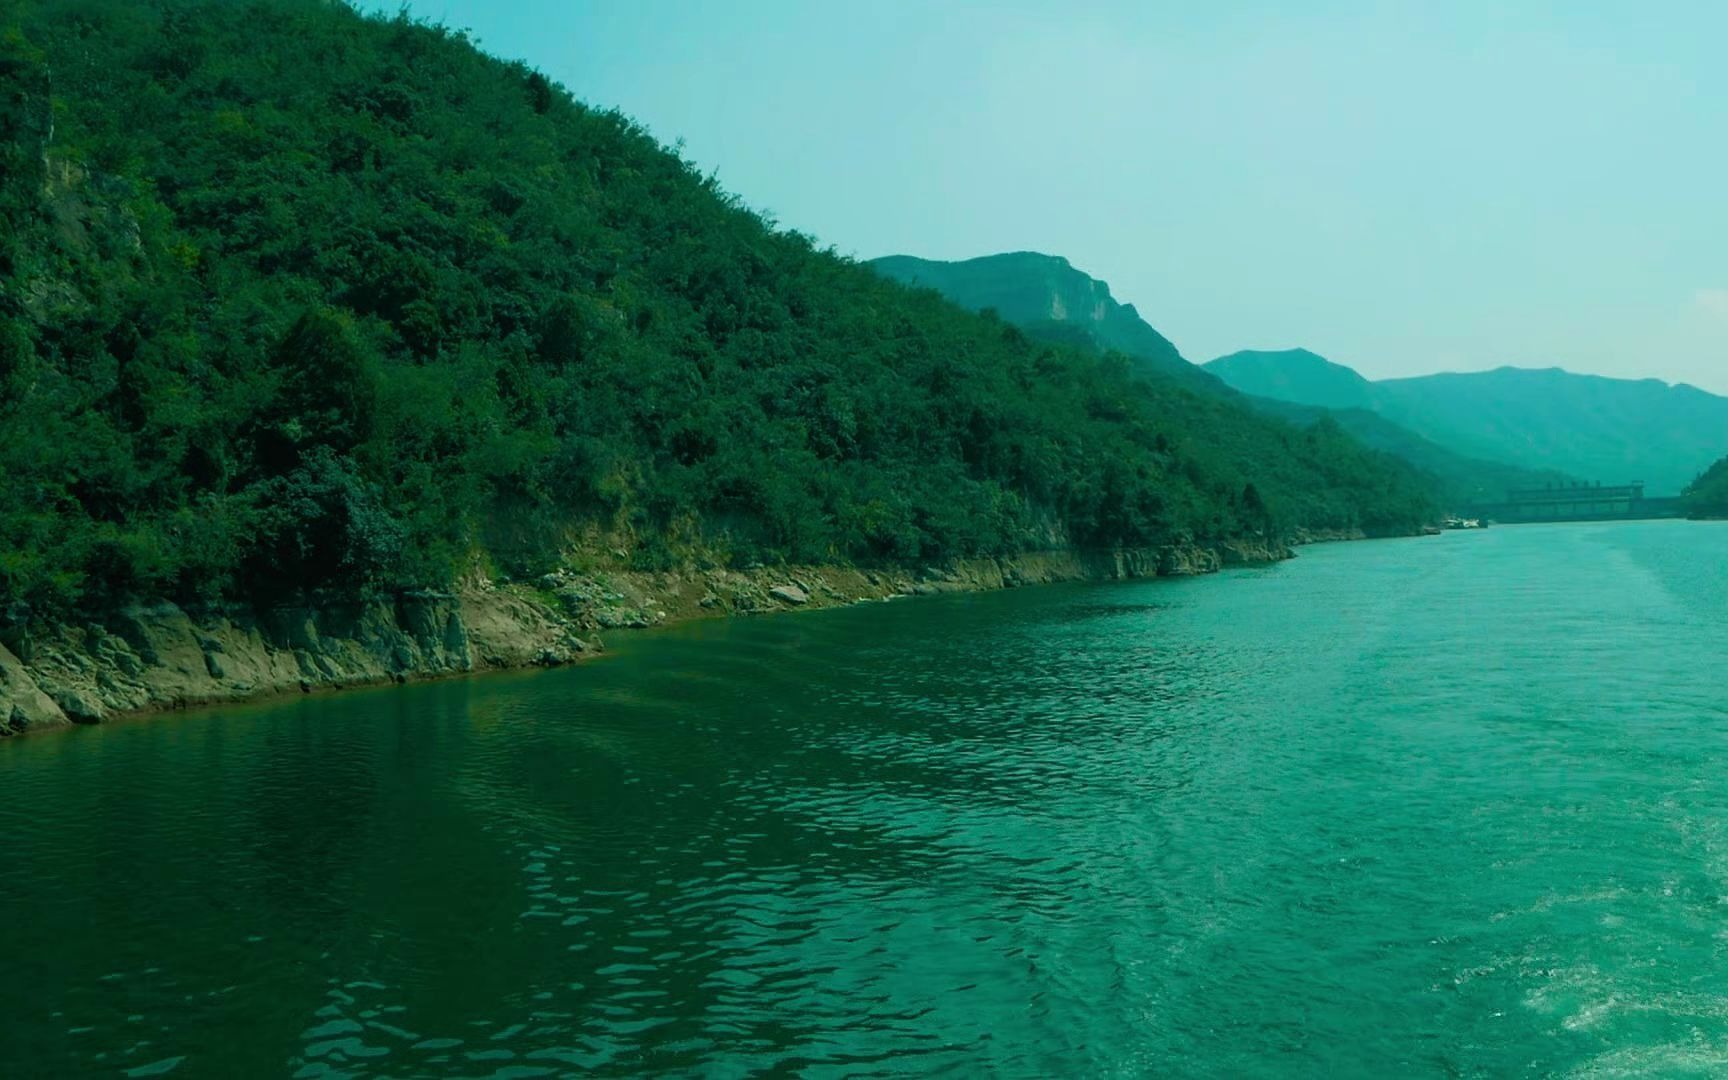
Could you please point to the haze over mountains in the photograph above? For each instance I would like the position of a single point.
(1588, 426)
(1048, 298)
(1477, 434)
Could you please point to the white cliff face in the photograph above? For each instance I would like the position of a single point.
(1092, 300)
(1100, 301)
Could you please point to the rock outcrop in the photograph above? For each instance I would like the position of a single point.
(161, 657)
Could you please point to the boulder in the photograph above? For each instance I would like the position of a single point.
(621, 618)
(789, 594)
(23, 703)
(79, 707)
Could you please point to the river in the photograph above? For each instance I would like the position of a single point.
(1455, 806)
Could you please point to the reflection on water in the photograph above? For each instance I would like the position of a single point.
(1449, 806)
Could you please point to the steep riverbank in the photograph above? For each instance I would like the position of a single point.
(156, 657)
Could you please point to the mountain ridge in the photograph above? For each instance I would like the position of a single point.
(1026, 287)
(1048, 297)
(1587, 426)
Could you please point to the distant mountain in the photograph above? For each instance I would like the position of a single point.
(1295, 375)
(1586, 426)
(1460, 479)
(1048, 298)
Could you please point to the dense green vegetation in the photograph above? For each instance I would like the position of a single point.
(293, 298)
(1707, 497)
(1611, 431)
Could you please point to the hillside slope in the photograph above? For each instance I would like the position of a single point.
(1050, 299)
(1707, 496)
(1294, 375)
(1595, 428)
(1461, 480)
(1585, 426)
(301, 302)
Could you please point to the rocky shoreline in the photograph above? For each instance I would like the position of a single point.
(160, 657)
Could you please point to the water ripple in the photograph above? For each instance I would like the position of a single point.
(1446, 807)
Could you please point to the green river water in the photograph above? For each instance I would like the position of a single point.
(1455, 806)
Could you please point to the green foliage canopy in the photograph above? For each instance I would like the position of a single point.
(1708, 495)
(294, 298)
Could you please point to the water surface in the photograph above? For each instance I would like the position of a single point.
(1444, 807)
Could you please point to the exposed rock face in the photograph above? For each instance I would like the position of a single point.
(23, 703)
(160, 656)
(1037, 291)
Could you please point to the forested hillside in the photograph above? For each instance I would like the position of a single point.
(296, 299)
(1460, 480)
(1707, 497)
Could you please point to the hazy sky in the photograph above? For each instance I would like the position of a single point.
(1402, 187)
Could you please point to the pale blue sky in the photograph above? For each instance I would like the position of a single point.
(1402, 187)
